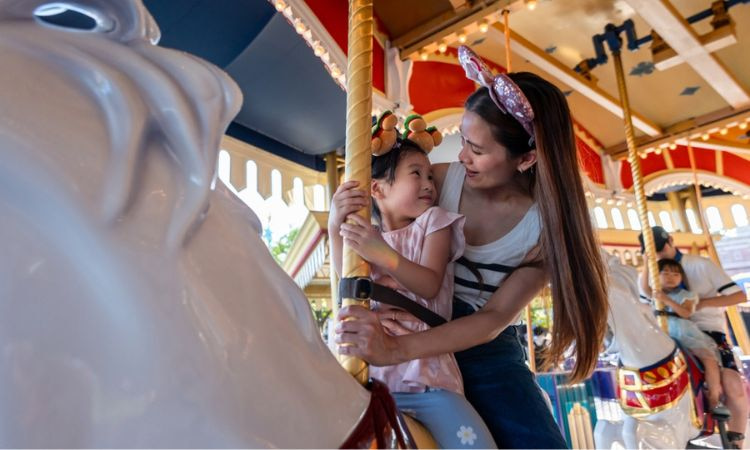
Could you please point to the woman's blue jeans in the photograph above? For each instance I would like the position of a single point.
(503, 390)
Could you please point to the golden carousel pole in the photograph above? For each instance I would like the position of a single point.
(738, 325)
(332, 178)
(640, 193)
(358, 136)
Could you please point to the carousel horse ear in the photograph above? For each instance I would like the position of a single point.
(417, 132)
(384, 134)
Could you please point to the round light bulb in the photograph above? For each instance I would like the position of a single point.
(443, 47)
(462, 38)
(484, 26)
(743, 125)
(723, 131)
(672, 146)
(423, 55)
(705, 136)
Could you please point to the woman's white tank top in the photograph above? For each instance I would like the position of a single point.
(495, 260)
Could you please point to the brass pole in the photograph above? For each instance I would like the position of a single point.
(738, 325)
(506, 13)
(358, 123)
(332, 177)
(640, 193)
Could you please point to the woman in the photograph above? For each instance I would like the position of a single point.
(527, 224)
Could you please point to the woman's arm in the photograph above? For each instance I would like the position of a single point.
(366, 339)
(722, 300)
(425, 279)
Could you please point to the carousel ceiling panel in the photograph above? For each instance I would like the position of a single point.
(289, 95)
(399, 17)
(292, 107)
(565, 30)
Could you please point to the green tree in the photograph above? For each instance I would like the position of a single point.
(280, 249)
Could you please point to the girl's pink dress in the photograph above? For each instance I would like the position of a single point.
(442, 371)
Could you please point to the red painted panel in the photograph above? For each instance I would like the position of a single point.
(590, 162)
(736, 167)
(626, 177)
(334, 16)
(378, 66)
(680, 157)
(436, 85)
(652, 164)
(705, 159)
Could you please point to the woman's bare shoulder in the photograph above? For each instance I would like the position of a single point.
(438, 173)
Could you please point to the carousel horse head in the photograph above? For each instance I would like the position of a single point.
(138, 304)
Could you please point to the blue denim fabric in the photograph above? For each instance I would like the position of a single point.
(503, 390)
(448, 416)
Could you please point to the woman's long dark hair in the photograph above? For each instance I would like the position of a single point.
(569, 246)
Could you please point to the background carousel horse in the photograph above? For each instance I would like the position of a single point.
(653, 379)
(138, 305)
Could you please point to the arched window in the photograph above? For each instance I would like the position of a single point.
(298, 191)
(617, 219)
(635, 223)
(601, 219)
(693, 221)
(714, 219)
(225, 167)
(251, 175)
(651, 220)
(275, 183)
(319, 197)
(666, 220)
(739, 214)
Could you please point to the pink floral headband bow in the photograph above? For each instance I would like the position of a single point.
(504, 92)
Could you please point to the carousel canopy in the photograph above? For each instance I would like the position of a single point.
(685, 67)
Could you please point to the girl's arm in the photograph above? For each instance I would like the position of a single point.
(424, 278)
(366, 339)
(681, 310)
(346, 200)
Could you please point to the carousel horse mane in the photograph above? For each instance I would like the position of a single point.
(139, 306)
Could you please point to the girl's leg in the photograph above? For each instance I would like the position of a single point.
(449, 417)
(712, 374)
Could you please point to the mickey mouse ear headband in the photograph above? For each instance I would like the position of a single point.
(504, 92)
(385, 136)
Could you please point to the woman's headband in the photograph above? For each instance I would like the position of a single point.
(504, 92)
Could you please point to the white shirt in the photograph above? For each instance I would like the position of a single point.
(495, 260)
(707, 279)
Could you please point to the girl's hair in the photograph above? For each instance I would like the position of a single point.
(668, 263)
(569, 247)
(384, 166)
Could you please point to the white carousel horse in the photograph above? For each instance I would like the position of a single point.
(653, 378)
(138, 304)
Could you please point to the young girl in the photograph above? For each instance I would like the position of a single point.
(681, 302)
(412, 250)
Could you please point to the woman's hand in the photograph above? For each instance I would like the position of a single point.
(346, 200)
(364, 337)
(366, 240)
